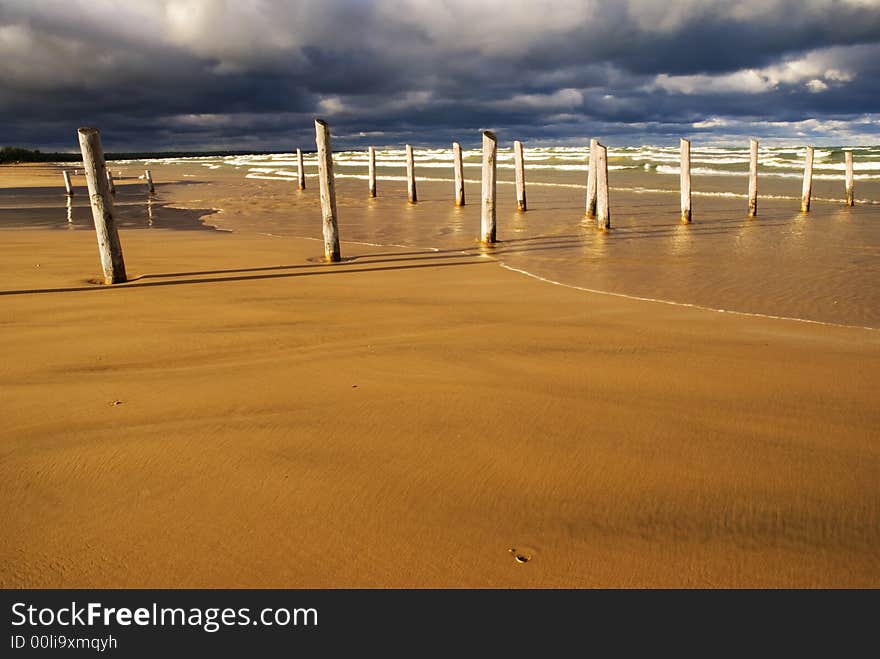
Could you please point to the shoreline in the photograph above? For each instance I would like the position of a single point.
(388, 423)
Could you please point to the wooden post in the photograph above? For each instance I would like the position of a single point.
(372, 167)
(459, 174)
(808, 181)
(603, 210)
(487, 217)
(850, 192)
(109, 246)
(685, 181)
(753, 178)
(591, 180)
(519, 165)
(110, 182)
(411, 175)
(328, 190)
(150, 185)
(301, 170)
(67, 184)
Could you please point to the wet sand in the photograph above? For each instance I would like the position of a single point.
(242, 415)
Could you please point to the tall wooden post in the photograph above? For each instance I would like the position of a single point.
(301, 170)
(109, 246)
(603, 210)
(372, 169)
(411, 175)
(328, 190)
(110, 183)
(685, 181)
(150, 185)
(591, 180)
(808, 181)
(67, 185)
(850, 191)
(753, 178)
(519, 166)
(487, 216)
(458, 168)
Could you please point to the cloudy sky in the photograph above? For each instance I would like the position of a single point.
(252, 74)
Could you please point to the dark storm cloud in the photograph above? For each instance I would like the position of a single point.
(224, 74)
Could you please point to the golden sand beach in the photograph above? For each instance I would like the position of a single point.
(242, 415)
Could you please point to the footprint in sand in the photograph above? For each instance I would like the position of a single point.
(522, 555)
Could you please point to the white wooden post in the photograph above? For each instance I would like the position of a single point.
(591, 180)
(685, 181)
(808, 181)
(109, 246)
(301, 170)
(328, 190)
(150, 185)
(67, 185)
(411, 175)
(603, 210)
(519, 166)
(753, 178)
(458, 168)
(850, 187)
(487, 216)
(110, 182)
(372, 168)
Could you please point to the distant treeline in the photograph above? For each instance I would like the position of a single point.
(14, 154)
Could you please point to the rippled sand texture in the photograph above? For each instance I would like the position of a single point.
(243, 415)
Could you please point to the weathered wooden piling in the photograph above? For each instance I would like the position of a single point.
(411, 175)
(458, 168)
(487, 216)
(372, 167)
(109, 246)
(753, 178)
(67, 185)
(603, 208)
(328, 190)
(850, 178)
(519, 166)
(591, 180)
(301, 170)
(808, 181)
(685, 181)
(150, 185)
(110, 183)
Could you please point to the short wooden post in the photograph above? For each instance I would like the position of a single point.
(591, 180)
(110, 182)
(808, 181)
(301, 170)
(372, 168)
(753, 178)
(685, 181)
(109, 246)
(458, 168)
(519, 166)
(487, 217)
(850, 187)
(150, 185)
(67, 184)
(603, 210)
(328, 190)
(411, 175)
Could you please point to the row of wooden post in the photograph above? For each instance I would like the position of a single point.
(102, 189)
(111, 185)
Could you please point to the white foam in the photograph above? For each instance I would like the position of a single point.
(681, 304)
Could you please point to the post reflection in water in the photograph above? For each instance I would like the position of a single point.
(150, 211)
(70, 212)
